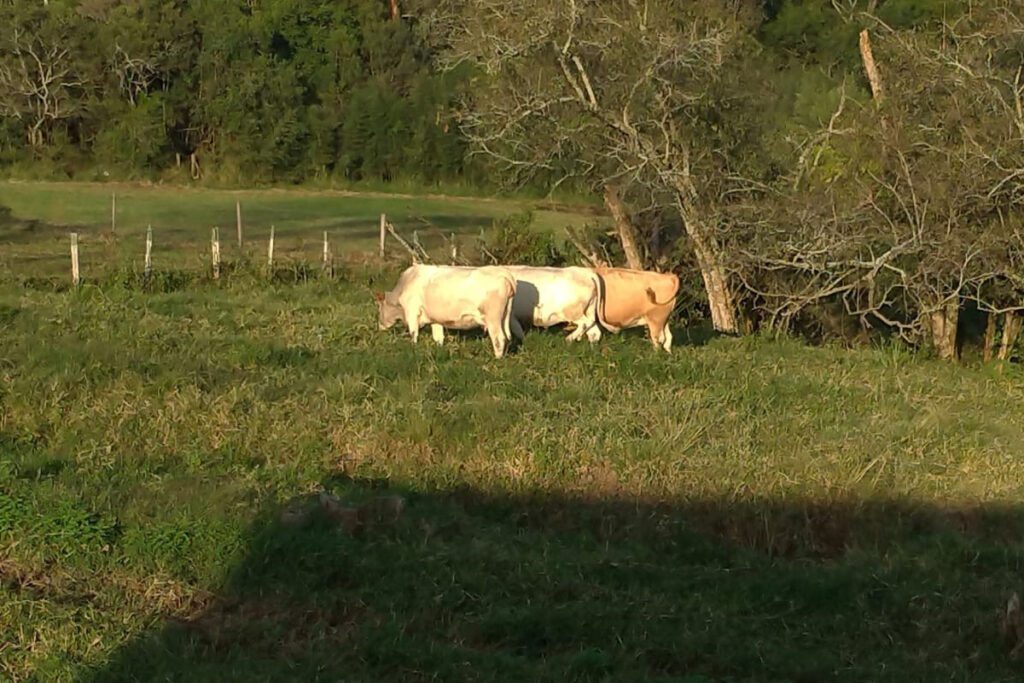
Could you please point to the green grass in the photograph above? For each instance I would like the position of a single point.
(744, 509)
(182, 219)
(740, 510)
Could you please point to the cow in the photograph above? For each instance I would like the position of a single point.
(549, 296)
(631, 298)
(452, 297)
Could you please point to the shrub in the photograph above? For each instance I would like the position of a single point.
(512, 240)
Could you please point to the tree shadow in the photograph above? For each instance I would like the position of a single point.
(469, 585)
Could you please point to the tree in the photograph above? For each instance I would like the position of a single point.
(619, 89)
(39, 83)
(906, 210)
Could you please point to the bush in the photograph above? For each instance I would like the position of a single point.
(512, 240)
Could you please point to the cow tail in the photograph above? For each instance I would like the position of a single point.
(654, 299)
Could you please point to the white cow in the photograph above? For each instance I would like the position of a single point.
(454, 297)
(549, 296)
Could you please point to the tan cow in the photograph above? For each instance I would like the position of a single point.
(632, 298)
(452, 297)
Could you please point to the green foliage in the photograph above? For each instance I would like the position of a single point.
(265, 92)
(814, 31)
(904, 14)
(512, 240)
(824, 33)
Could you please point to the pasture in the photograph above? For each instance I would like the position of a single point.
(183, 217)
(742, 509)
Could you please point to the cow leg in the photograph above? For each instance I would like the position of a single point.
(498, 341)
(657, 324)
(437, 332)
(589, 325)
(414, 328)
(494, 324)
(516, 328)
(577, 334)
(655, 331)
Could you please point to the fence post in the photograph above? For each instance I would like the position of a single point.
(238, 222)
(215, 252)
(383, 233)
(327, 254)
(74, 259)
(270, 251)
(149, 253)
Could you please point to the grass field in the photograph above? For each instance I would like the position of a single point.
(744, 509)
(182, 219)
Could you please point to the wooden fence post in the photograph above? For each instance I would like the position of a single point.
(270, 251)
(238, 222)
(327, 254)
(383, 232)
(148, 268)
(74, 259)
(215, 252)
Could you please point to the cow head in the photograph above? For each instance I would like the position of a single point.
(388, 313)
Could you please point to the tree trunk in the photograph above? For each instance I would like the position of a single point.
(990, 337)
(624, 227)
(1011, 330)
(393, 9)
(721, 297)
(943, 324)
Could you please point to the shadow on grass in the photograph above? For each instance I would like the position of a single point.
(467, 585)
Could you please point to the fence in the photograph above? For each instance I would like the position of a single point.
(216, 264)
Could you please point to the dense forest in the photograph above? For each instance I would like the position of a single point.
(852, 166)
(289, 90)
(279, 91)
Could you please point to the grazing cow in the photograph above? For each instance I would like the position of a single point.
(549, 296)
(631, 298)
(452, 297)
